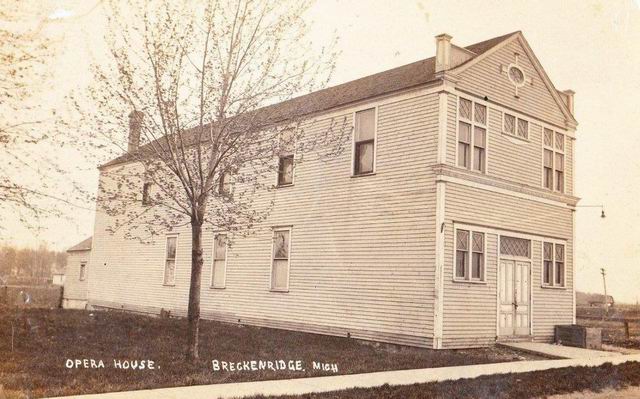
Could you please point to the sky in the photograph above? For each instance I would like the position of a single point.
(591, 47)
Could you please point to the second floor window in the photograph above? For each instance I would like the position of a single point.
(146, 195)
(472, 135)
(285, 170)
(364, 142)
(515, 126)
(224, 186)
(553, 167)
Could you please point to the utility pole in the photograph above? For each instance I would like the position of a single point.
(604, 282)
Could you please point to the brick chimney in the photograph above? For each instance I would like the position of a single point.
(443, 52)
(135, 126)
(568, 99)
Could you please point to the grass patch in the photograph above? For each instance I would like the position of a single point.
(46, 338)
(522, 386)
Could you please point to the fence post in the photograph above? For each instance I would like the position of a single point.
(626, 329)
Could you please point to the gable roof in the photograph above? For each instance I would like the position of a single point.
(84, 245)
(393, 80)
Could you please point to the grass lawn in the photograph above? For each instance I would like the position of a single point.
(46, 338)
(537, 384)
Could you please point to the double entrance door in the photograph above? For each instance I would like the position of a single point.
(513, 289)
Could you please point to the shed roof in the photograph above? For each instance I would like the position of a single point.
(85, 245)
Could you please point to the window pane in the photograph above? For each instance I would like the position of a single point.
(476, 269)
(515, 246)
(225, 183)
(480, 114)
(548, 158)
(83, 270)
(478, 242)
(548, 137)
(461, 263)
(364, 157)
(169, 271)
(548, 178)
(465, 109)
(548, 251)
(220, 247)
(547, 273)
(218, 273)
(281, 244)
(523, 128)
(479, 137)
(462, 241)
(559, 181)
(560, 141)
(478, 159)
(463, 155)
(559, 253)
(171, 247)
(464, 133)
(279, 276)
(285, 170)
(509, 123)
(145, 193)
(559, 162)
(559, 274)
(365, 125)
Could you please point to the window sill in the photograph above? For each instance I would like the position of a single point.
(281, 290)
(168, 285)
(284, 185)
(518, 138)
(364, 174)
(457, 280)
(216, 288)
(553, 287)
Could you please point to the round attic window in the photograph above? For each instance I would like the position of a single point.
(516, 75)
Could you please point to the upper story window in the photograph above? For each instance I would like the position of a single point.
(364, 142)
(553, 168)
(224, 185)
(553, 265)
(285, 159)
(469, 255)
(146, 194)
(472, 135)
(170, 261)
(514, 126)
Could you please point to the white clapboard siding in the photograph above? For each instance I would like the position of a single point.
(486, 79)
(362, 249)
(74, 288)
(470, 309)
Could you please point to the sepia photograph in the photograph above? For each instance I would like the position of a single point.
(319, 199)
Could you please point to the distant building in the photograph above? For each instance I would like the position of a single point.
(75, 278)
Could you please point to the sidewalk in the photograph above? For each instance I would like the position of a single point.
(558, 351)
(302, 386)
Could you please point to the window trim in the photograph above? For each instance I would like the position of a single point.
(469, 279)
(293, 170)
(213, 260)
(555, 151)
(82, 276)
(275, 229)
(515, 133)
(164, 262)
(473, 124)
(375, 140)
(553, 285)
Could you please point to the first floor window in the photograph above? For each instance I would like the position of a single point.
(553, 265)
(469, 264)
(364, 139)
(170, 261)
(219, 271)
(280, 260)
(285, 170)
(83, 270)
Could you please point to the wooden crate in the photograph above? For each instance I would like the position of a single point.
(579, 336)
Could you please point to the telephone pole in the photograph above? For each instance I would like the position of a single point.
(604, 282)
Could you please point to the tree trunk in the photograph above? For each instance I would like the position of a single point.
(193, 312)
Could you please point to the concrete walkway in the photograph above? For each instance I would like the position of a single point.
(302, 386)
(558, 351)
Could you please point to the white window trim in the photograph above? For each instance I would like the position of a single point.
(375, 140)
(164, 261)
(273, 231)
(472, 138)
(293, 175)
(553, 266)
(483, 279)
(213, 260)
(554, 150)
(82, 277)
(515, 134)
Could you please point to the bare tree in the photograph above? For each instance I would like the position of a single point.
(199, 86)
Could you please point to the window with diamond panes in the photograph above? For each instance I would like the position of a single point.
(472, 135)
(515, 126)
(554, 160)
(553, 265)
(512, 246)
(469, 262)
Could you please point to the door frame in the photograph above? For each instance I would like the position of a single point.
(515, 259)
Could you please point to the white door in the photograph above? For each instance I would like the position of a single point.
(514, 297)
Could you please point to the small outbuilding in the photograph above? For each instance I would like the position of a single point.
(75, 278)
